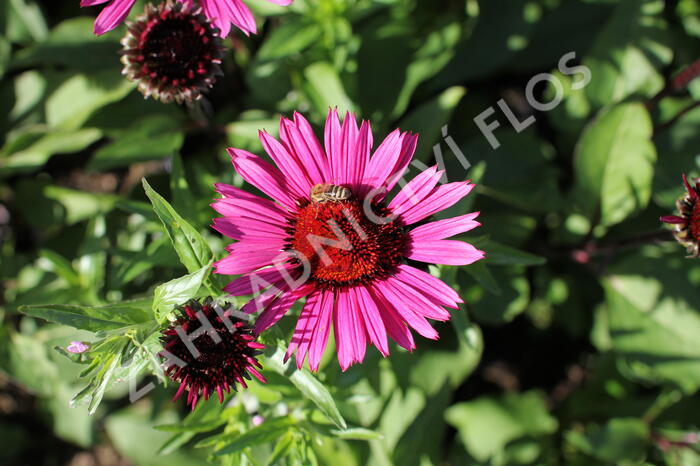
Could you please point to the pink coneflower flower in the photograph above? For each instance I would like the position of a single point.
(687, 225)
(225, 12)
(111, 15)
(224, 354)
(172, 52)
(333, 239)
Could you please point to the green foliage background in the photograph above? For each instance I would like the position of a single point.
(579, 343)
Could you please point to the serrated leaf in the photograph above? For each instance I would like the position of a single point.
(92, 319)
(314, 390)
(176, 292)
(266, 432)
(193, 251)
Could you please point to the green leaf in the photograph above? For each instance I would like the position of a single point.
(487, 424)
(176, 292)
(193, 251)
(268, 431)
(76, 99)
(150, 138)
(653, 330)
(620, 440)
(314, 390)
(289, 39)
(40, 150)
(325, 88)
(92, 319)
(614, 163)
(628, 53)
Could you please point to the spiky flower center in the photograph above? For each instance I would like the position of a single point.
(175, 47)
(173, 52)
(344, 244)
(221, 355)
(694, 226)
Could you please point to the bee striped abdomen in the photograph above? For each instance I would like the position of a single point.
(329, 193)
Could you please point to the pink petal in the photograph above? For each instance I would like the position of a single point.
(429, 284)
(416, 190)
(357, 153)
(416, 300)
(333, 142)
(245, 260)
(442, 229)
(443, 197)
(395, 327)
(373, 320)
(673, 219)
(344, 332)
(112, 15)
(357, 324)
(390, 160)
(303, 332)
(321, 331)
(279, 307)
(292, 169)
(299, 138)
(444, 251)
(405, 308)
(253, 209)
(253, 282)
(84, 3)
(225, 12)
(263, 176)
(247, 229)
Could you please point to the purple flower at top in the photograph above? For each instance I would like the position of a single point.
(222, 13)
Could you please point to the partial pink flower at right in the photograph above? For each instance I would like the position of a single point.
(687, 224)
(223, 13)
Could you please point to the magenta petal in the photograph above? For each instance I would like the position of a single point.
(373, 321)
(293, 171)
(408, 148)
(357, 324)
(344, 332)
(303, 331)
(253, 282)
(416, 300)
(299, 139)
(112, 15)
(443, 197)
(263, 176)
(319, 339)
(395, 327)
(442, 229)
(673, 219)
(416, 190)
(358, 158)
(333, 144)
(245, 260)
(444, 251)
(405, 307)
(253, 209)
(277, 309)
(437, 289)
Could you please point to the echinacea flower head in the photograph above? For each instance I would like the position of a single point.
(214, 351)
(687, 224)
(112, 15)
(173, 52)
(329, 235)
(226, 12)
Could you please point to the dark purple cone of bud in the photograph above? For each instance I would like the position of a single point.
(172, 52)
(220, 358)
